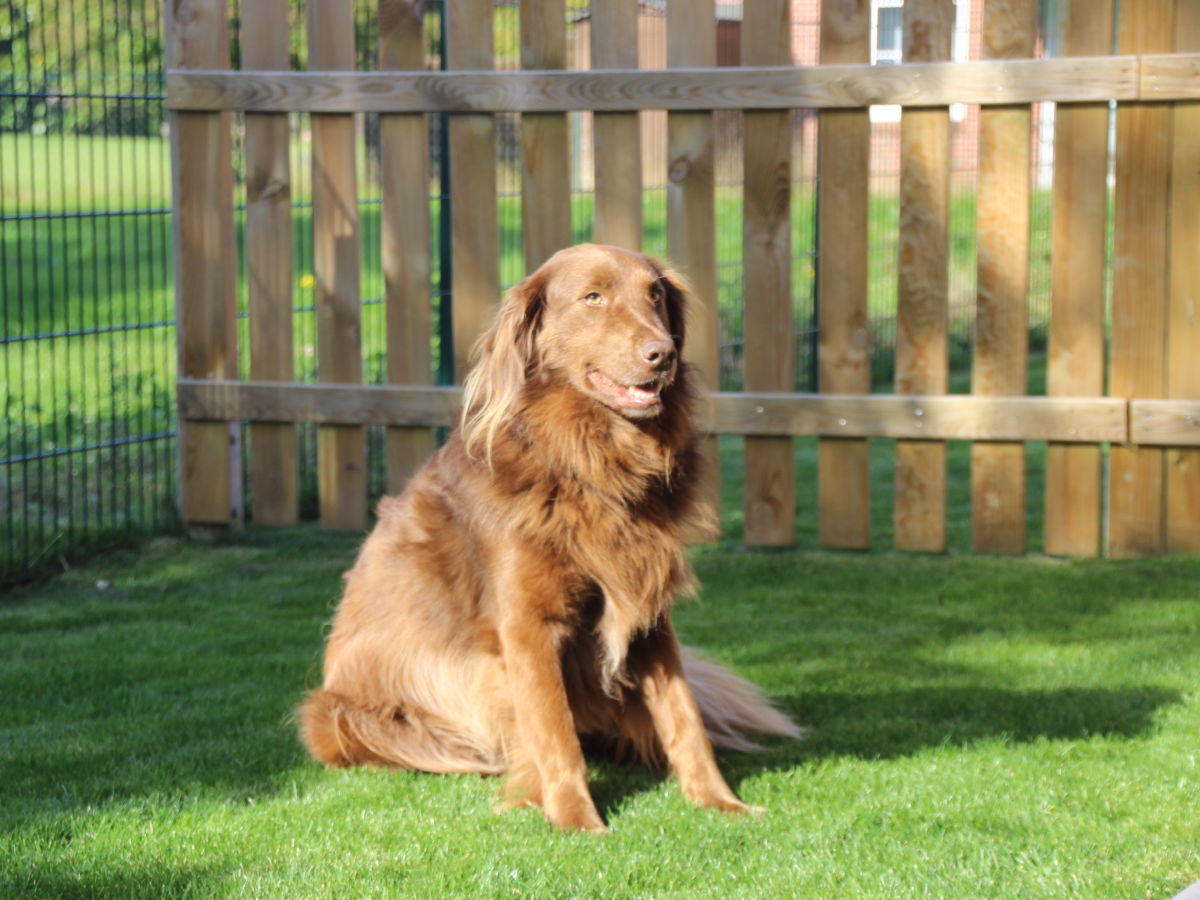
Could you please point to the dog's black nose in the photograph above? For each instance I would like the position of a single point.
(659, 353)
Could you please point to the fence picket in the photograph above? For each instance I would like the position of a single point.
(405, 249)
(205, 287)
(341, 449)
(769, 326)
(843, 159)
(273, 463)
(1001, 326)
(1075, 365)
(545, 152)
(1183, 374)
(1136, 525)
(475, 230)
(618, 178)
(922, 356)
(691, 206)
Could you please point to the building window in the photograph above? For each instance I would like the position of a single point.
(889, 34)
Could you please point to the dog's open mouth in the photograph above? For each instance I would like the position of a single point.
(634, 397)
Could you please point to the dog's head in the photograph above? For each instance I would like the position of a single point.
(608, 321)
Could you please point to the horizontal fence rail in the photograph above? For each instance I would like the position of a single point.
(934, 417)
(988, 82)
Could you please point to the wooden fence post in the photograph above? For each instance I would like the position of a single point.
(273, 472)
(405, 235)
(197, 37)
(545, 152)
(691, 210)
(618, 136)
(1076, 354)
(475, 229)
(1000, 366)
(1183, 375)
(1137, 515)
(843, 160)
(922, 352)
(769, 325)
(341, 449)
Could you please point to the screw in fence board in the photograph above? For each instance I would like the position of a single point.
(197, 36)
(473, 213)
(922, 355)
(545, 152)
(770, 493)
(618, 157)
(341, 449)
(1183, 363)
(691, 209)
(1000, 365)
(1075, 365)
(843, 161)
(405, 235)
(1137, 515)
(273, 464)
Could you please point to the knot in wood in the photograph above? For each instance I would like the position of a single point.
(679, 169)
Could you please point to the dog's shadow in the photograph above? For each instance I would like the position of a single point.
(890, 724)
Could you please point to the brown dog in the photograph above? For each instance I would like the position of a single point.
(516, 598)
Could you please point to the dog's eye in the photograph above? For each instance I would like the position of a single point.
(593, 299)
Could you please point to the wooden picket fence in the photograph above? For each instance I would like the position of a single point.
(1146, 500)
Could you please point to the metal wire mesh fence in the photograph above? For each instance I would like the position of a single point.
(85, 279)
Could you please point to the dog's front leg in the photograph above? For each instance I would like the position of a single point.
(531, 635)
(657, 663)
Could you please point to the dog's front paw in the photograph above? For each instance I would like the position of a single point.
(726, 802)
(572, 811)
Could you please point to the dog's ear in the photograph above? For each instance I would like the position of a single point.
(678, 297)
(503, 358)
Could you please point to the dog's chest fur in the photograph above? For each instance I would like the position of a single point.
(606, 500)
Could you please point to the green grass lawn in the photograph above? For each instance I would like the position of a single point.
(980, 727)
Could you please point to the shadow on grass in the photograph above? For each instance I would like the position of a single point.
(893, 724)
(65, 882)
(890, 724)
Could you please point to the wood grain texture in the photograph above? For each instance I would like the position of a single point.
(922, 355)
(843, 157)
(698, 87)
(1137, 477)
(1075, 365)
(197, 36)
(405, 250)
(1000, 362)
(1173, 76)
(1165, 422)
(341, 450)
(545, 150)
(1183, 362)
(618, 169)
(475, 232)
(769, 324)
(691, 206)
(935, 417)
(273, 463)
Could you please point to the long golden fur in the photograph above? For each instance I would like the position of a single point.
(516, 598)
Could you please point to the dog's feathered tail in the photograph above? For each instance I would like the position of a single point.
(340, 733)
(731, 706)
